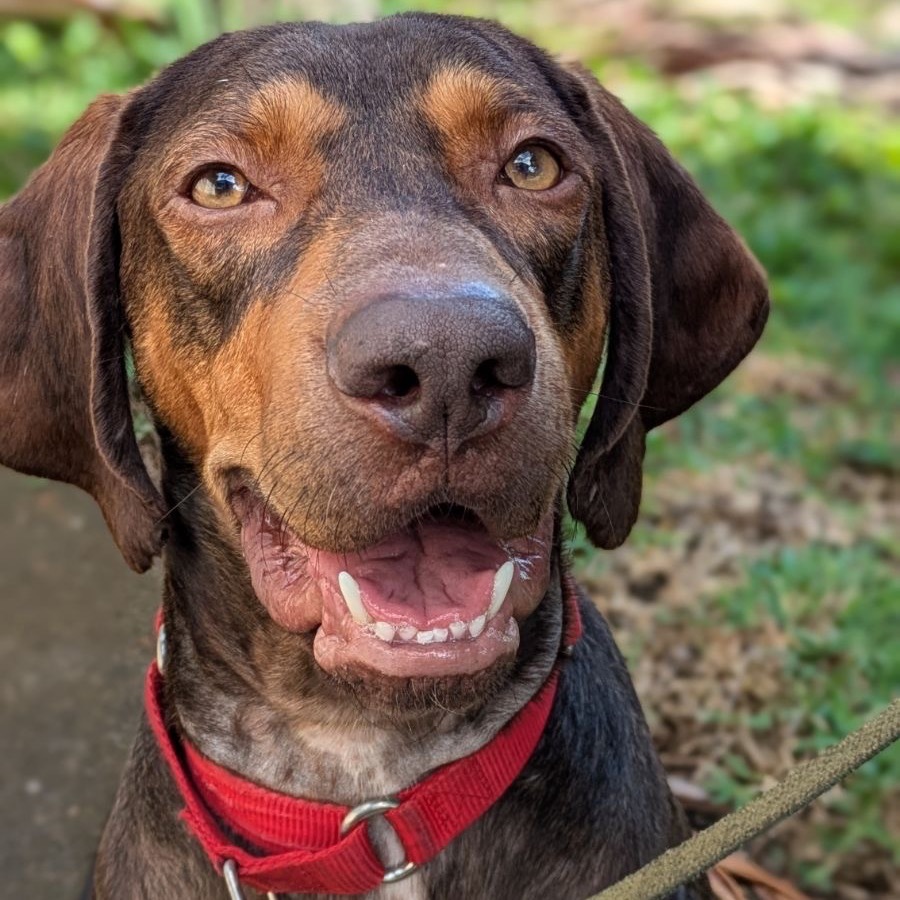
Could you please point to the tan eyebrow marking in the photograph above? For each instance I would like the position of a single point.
(464, 99)
(290, 115)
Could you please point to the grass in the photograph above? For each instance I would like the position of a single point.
(841, 611)
(815, 190)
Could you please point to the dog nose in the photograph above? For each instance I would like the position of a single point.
(438, 370)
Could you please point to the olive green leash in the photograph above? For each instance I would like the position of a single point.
(800, 787)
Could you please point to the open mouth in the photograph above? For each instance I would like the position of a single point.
(438, 597)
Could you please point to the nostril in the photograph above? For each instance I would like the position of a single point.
(399, 383)
(486, 381)
(496, 375)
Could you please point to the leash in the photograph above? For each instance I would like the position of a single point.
(799, 788)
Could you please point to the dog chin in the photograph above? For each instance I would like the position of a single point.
(437, 602)
(409, 698)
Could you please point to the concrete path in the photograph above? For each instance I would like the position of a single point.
(75, 638)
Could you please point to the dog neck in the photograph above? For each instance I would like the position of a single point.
(250, 697)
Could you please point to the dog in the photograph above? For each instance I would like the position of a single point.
(367, 275)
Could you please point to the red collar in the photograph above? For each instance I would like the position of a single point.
(301, 847)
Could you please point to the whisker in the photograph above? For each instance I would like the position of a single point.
(622, 400)
(184, 499)
(247, 446)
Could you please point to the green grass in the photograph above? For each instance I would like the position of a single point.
(841, 611)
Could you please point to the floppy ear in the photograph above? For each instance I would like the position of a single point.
(63, 389)
(688, 302)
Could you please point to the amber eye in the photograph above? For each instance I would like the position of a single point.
(219, 188)
(533, 168)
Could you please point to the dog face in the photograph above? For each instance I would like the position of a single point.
(346, 320)
(367, 273)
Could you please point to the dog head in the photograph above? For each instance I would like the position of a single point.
(368, 274)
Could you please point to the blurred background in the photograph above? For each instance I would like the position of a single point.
(758, 600)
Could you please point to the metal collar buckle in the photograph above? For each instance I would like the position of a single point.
(233, 883)
(359, 814)
(162, 650)
(369, 809)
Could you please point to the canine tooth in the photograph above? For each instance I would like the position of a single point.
(407, 632)
(385, 631)
(441, 635)
(502, 581)
(425, 637)
(350, 592)
(458, 629)
(476, 626)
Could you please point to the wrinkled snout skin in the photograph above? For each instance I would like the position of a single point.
(385, 326)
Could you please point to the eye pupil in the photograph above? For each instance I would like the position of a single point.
(224, 183)
(526, 164)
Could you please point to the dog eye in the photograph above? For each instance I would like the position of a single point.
(533, 168)
(219, 188)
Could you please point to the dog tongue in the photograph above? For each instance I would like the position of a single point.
(427, 577)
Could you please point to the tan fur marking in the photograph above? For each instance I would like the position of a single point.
(583, 347)
(463, 96)
(206, 402)
(286, 119)
(266, 372)
(169, 377)
(469, 108)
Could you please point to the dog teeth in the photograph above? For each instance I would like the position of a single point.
(384, 631)
(409, 634)
(502, 581)
(350, 592)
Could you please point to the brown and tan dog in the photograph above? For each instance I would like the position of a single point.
(367, 275)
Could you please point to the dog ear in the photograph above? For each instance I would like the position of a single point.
(688, 302)
(63, 387)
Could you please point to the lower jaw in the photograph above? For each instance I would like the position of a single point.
(414, 700)
(422, 703)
